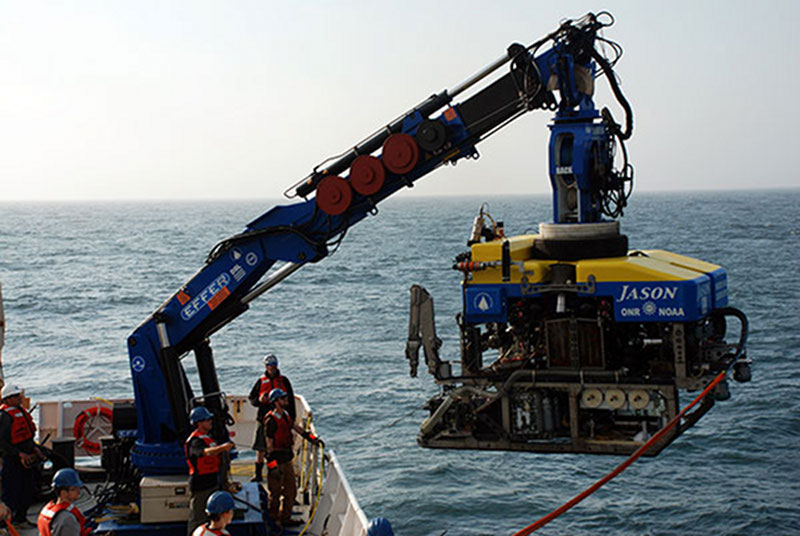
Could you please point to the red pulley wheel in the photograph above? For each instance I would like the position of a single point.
(400, 153)
(367, 175)
(334, 195)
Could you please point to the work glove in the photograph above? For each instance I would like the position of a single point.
(314, 439)
(272, 460)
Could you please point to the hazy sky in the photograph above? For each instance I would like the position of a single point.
(233, 99)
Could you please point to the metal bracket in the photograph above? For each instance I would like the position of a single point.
(542, 288)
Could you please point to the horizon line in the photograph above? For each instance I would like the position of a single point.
(410, 194)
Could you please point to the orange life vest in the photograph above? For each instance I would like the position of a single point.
(268, 384)
(23, 427)
(206, 465)
(49, 512)
(283, 434)
(204, 530)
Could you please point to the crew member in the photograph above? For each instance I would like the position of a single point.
(60, 517)
(259, 397)
(204, 457)
(220, 513)
(278, 428)
(380, 526)
(19, 453)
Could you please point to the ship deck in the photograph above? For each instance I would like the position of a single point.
(325, 503)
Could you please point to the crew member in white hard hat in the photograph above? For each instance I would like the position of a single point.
(19, 453)
(259, 397)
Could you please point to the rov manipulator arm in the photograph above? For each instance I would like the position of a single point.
(279, 242)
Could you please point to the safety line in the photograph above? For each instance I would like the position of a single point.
(621, 467)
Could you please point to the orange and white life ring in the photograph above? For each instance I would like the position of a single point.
(84, 433)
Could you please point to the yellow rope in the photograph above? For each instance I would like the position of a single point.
(101, 399)
(320, 477)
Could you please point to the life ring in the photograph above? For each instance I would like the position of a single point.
(80, 431)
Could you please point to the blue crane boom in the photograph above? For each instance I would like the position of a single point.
(559, 78)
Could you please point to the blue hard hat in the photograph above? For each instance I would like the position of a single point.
(67, 478)
(276, 393)
(270, 360)
(380, 526)
(219, 502)
(200, 413)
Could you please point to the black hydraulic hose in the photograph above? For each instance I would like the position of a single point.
(733, 311)
(256, 508)
(612, 80)
(248, 236)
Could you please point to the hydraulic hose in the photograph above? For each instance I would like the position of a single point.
(617, 93)
(624, 465)
(742, 345)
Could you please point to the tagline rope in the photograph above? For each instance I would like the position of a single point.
(624, 465)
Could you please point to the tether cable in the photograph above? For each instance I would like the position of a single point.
(624, 465)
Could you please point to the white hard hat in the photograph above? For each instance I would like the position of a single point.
(11, 390)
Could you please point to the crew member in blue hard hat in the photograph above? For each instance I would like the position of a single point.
(206, 472)
(19, 453)
(60, 517)
(380, 526)
(278, 428)
(259, 397)
(220, 513)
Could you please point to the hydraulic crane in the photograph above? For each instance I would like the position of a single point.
(506, 279)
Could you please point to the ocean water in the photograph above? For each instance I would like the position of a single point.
(78, 277)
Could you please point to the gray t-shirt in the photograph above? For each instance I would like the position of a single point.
(65, 524)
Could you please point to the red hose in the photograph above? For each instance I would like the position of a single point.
(621, 467)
